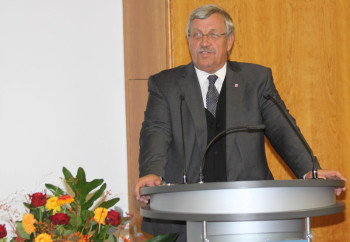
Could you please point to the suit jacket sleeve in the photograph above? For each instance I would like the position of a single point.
(280, 133)
(156, 133)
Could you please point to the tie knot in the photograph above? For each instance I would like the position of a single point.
(212, 79)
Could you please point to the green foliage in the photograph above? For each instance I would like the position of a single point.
(94, 197)
(56, 191)
(164, 238)
(86, 195)
(21, 231)
(112, 238)
(82, 188)
(69, 177)
(110, 203)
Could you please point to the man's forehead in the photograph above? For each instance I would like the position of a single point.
(214, 21)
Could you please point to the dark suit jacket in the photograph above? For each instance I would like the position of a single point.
(161, 150)
(161, 142)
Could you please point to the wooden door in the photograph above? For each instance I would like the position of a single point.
(307, 45)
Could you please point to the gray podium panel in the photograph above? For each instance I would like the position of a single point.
(248, 231)
(244, 211)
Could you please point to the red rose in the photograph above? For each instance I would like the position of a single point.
(38, 199)
(113, 218)
(3, 231)
(59, 219)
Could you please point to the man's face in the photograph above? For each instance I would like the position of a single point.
(209, 54)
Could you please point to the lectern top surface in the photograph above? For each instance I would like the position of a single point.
(242, 185)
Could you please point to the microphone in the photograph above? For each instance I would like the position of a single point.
(184, 177)
(298, 133)
(250, 128)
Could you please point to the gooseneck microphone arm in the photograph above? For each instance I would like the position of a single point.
(220, 135)
(184, 177)
(298, 133)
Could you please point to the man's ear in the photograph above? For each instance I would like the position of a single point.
(230, 40)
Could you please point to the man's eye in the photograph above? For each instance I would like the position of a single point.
(197, 35)
(214, 35)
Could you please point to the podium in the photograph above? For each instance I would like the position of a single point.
(245, 211)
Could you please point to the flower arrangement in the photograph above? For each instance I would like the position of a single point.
(83, 217)
(61, 217)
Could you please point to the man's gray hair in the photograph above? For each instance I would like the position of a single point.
(205, 12)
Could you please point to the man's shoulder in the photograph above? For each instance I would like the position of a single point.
(174, 73)
(246, 67)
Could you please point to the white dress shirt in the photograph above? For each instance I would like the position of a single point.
(204, 82)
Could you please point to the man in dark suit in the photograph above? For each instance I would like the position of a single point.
(214, 94)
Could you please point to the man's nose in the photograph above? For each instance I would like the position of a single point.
(205, 40)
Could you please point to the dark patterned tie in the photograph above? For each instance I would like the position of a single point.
(212, 95)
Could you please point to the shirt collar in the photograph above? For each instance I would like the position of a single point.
(202, 75)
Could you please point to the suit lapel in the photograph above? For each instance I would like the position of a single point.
(191, 90)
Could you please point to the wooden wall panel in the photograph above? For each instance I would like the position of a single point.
(145, 38)
(307, 45)
(137, 98)
(145, 53)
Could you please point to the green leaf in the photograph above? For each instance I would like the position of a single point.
(89, 186)
(110, 203)
(56, 191)
(21, 231)
(81, 178)
(94, 197)
(76, 221)
(68, 232)
(36, 213)
(101, 235)
(84, 187)
(79, 221)
(85, 214)
(27, 205)
(164, 238)
(112, 238)
(69, 177)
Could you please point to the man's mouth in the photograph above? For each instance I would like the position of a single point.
(205, 51)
